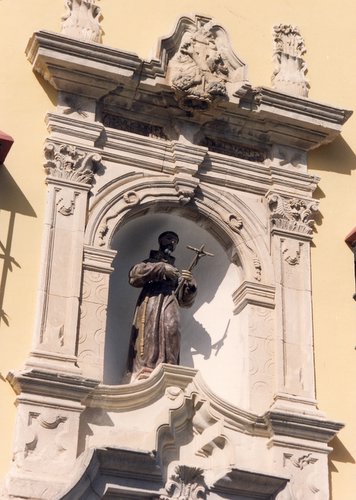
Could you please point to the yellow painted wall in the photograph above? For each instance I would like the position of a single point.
(23, 104)
(330, 36)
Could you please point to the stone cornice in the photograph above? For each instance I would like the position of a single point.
(51, 384)
(293, 421)
(239, 482)
(286, 423)
(83, 68)
(264, 99)
(125, 464)
(93, 70)
(153, 154)
(292, 418)
(129, 397)
(254, 294)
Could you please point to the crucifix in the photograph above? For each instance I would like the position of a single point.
(199, 253)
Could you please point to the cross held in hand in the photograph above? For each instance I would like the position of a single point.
(199, 253)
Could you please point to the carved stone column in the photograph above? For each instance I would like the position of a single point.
(70, 174)
(291, 232)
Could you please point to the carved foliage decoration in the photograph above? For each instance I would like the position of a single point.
(81, 20)
(261, 358)
(302, 461)
(46, 435)
(292, 214)
(92, 321)
(66, 203)
(67, 162)
(290, 67)
(202, 68)
(307, 477)
(185, 186)
(236, 224)
(186, 483)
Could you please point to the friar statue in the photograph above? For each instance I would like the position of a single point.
(155, 336)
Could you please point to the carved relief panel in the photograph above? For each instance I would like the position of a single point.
(204, 70)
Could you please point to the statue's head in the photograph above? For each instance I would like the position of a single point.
(168, 241)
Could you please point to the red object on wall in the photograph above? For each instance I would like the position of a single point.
(351, 238)
(6, 141)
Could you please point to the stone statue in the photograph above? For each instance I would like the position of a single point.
(155, 336)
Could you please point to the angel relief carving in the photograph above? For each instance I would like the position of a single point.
(202, 67)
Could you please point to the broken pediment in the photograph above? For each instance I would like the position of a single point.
(165, 435)
(195, 82)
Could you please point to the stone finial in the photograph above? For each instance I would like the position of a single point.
(290, 70)
(67, 162)
(82, 20)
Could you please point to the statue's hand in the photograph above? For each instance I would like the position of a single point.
(187, 276)
(170, 272)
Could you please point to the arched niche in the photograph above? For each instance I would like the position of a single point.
(222, 331)
(230, 219)
(210, 330)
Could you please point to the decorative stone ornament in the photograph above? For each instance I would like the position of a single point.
(204, 66)
(292, 214)
(290, 71)
(183, 137)
(187, 483)
(68, 162)
(82, 20)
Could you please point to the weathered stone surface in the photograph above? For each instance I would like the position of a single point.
(133, 145)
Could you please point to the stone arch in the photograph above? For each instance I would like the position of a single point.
(223, 216)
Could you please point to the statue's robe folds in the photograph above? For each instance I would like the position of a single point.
(155, 336)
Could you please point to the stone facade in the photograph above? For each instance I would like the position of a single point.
(184, 140)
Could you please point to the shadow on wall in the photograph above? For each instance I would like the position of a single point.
(334, 157)
(203, 325)
(12, 202)
(339, 454)
(52, 93)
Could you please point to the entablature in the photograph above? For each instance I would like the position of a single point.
(159, 99)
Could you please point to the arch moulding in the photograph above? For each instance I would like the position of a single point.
(226, 217)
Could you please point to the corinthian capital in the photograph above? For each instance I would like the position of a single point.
(292, 214)
(67, 162)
